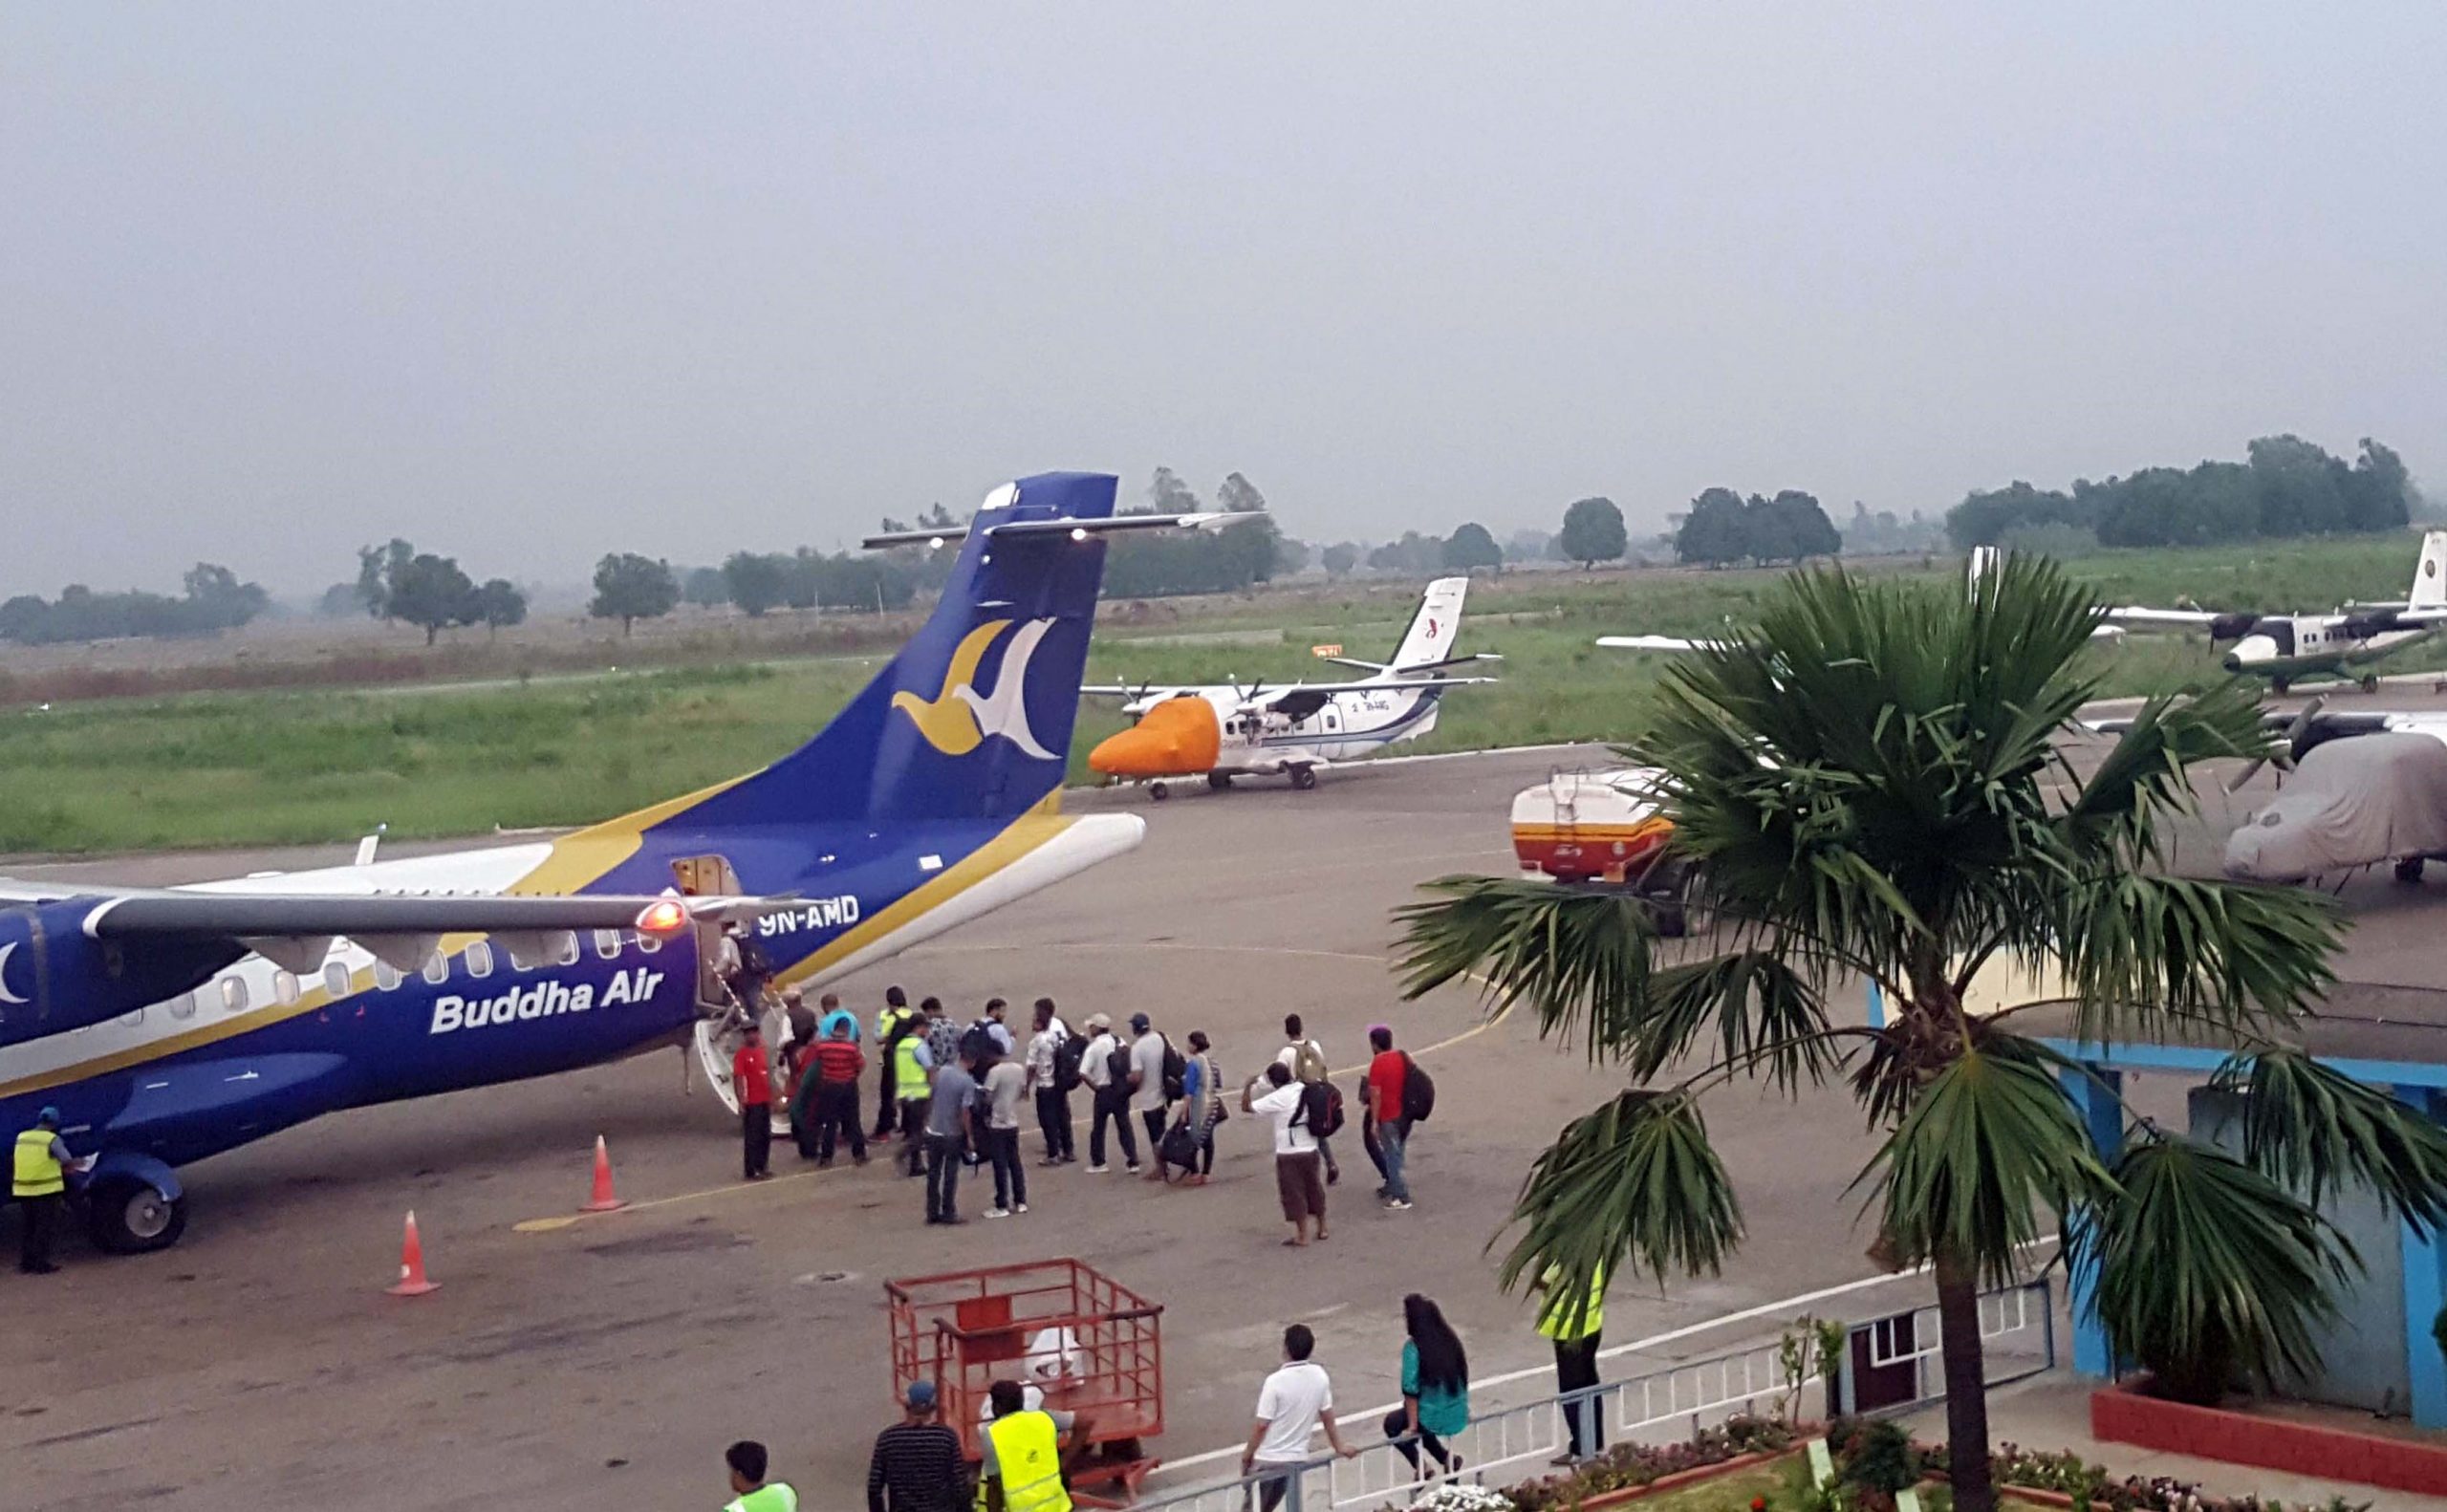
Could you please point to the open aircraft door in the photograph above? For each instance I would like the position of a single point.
(717, 1034)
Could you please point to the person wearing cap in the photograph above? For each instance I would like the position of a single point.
(1107, 1093)
(751, 1081)
(917, 1465)
(750, 1491)
(38, 1179)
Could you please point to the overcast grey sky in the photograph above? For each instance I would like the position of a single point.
(531, 282)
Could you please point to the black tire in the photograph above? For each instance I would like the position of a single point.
(1673, 921)
(127, 1217)
(2409, 870)
(2281, 686)
(1158, 792)
(2370, 684)
(1219, 781)
(1304, 778)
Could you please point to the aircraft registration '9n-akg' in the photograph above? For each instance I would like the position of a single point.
(170, 1025)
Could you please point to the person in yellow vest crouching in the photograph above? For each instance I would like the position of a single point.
(1572, 1323)
(751, 1491)
(38, 1179)
(1025, 1454)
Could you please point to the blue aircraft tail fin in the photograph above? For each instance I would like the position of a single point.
(972, 720)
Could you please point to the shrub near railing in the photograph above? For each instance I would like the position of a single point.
(2090, 1487)
(1628, 1467)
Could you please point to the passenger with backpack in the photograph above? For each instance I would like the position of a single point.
(1307, 1060)
(1202, 1109)
(1299, 1175)
(1398, 1095)
(1105, 1065)
(1157, 1074)
(1053, 1070)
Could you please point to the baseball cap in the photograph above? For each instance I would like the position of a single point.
(49, 1116)
(921, 1393)
(1097, 1021)
(1139, 1023)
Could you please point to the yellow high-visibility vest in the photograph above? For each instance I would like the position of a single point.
(1028, 1459)
(889, 1020)
(39, 1173)
(774, 1497)
(1555, 1321)
(908, 1077)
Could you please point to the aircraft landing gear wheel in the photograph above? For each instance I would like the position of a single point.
(2409, 870)
(129, 1218)
(1304, 778)
(2370, 684)
(1158, 792)
(2281, 686)
(1219, 781)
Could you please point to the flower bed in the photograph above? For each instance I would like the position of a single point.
(1627, 1472)
(2123, 1414)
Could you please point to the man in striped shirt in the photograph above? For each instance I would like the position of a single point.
(833, 1080)
(917, 1465)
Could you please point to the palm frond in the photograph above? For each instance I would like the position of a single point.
(2143, 774)
(1765, 1014)
(1990, 1144)
(1635, 1179)
(2229, 954)
(2316, 1129)
(2207, 1268)
(1579, 957)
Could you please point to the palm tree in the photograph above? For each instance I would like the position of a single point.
(1869, 783)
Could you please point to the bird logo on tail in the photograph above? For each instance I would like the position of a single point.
(958, 719)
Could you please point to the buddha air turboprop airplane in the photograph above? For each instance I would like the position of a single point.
(1225, 730)
(170, 1025)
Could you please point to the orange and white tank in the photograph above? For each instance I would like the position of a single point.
(1591, 826)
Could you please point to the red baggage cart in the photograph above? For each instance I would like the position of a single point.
(1092, 1346)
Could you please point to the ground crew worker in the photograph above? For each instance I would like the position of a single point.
(40, 1182)
(746, 1460)
(1573, 1329)
(911, 1085)
(896, 1013)
(751, 1078)
(1023, 1453)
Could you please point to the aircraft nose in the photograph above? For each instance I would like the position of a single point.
(1176, 738)
(2250, 650)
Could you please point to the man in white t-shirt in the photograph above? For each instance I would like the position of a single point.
(1295, 1401)
(1305, 1059)
(1045, 1084)
(1147, 1097)
(1108, 1095)
(1299, 1181)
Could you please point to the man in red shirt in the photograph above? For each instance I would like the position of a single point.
(833, 1081)
(751, 1077)
(1388, 1075)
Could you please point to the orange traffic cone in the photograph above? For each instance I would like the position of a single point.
(412, 1278)
(603, 1201)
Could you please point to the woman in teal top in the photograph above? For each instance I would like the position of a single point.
(1435, 1386)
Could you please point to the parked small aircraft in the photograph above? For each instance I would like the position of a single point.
(1226, 730)
(170, 1025)
(2282, 647)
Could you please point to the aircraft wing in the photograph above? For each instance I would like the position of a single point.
(269, 921)
(2179, 618)
(1661, 643)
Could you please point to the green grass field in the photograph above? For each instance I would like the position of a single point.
(213, 769)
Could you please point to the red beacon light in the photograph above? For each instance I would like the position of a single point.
(665, 916)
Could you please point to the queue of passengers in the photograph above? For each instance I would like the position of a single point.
(955, 1095)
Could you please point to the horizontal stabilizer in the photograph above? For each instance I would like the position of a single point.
(1077, 528)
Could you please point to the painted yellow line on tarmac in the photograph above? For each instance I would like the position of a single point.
(562, 1221)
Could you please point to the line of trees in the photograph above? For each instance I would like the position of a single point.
(2286, 486)
(1722, 527)
(397, 582)
(214, 600)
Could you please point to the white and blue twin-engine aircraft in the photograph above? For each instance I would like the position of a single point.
(170, 1025)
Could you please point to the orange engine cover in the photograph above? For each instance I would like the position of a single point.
(1178, 737)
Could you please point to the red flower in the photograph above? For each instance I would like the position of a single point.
(1757, 1504)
